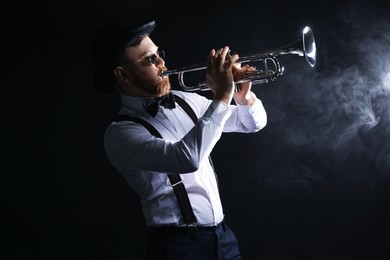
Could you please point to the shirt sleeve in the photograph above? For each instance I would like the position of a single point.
(129, 146)
(247, 119)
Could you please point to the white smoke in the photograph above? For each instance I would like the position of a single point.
(348, 96)
(333, 119)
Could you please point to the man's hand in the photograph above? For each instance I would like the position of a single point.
(219, 74)
(242, 95)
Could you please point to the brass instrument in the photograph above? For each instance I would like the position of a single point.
(305, 46)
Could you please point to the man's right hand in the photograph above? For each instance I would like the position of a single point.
(219, 76)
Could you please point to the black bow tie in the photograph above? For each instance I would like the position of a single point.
(167, 101)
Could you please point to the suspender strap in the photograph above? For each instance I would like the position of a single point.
(182, 197)
(186, 108)
(148, 126)
(175, 179)
(194, 118)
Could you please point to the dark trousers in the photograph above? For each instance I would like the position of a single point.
(213, 243)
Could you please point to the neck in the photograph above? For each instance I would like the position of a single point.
(135, 91)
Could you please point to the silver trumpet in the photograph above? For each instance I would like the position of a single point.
(305, 46)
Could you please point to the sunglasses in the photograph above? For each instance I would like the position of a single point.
(150, 59)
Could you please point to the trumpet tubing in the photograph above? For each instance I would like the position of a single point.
(305, 46)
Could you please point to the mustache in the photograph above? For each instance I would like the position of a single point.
(162, 68)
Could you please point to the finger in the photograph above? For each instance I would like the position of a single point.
(214, 59)
(210, 60)
(225, 51)
(230, 62)
(219, 58)
(218, 53)
(251, 69)
(237, 65)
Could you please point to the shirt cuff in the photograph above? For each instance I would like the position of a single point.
(217, 112)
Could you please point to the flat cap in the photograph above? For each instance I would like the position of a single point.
(108, 45)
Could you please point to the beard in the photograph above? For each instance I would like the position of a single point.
(153, 87)
(163, 87)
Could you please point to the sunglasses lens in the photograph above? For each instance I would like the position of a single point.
(160, 54)
(153, 58)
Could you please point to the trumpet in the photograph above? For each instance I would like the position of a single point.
(305, 46)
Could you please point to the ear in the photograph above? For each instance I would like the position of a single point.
(122, 75)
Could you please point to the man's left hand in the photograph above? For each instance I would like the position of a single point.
(242, 96)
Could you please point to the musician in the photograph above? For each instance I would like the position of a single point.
(127, 60)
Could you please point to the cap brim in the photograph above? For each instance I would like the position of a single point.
(134, 34)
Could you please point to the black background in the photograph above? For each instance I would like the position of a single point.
(313, 184)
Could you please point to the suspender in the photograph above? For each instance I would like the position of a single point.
(175, 179)
(194, 118)
(186, 108)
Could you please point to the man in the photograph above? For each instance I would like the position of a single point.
(150, 144)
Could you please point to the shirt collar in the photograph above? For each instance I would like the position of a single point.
(135, 102)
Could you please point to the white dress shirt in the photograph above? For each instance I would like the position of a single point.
(145, 160)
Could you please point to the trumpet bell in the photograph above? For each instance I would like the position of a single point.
(309, 46)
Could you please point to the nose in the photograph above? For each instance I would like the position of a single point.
(160, 61)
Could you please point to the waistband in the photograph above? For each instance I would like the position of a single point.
(172, 229)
